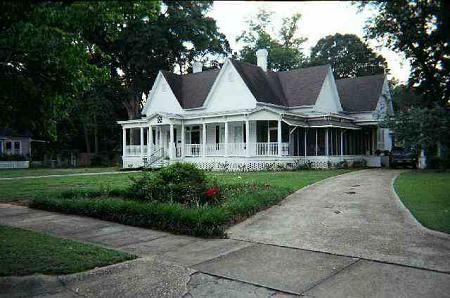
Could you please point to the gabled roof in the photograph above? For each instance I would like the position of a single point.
(191, 89)
(297, 87)
(302, 86)
(286, 88)
(264, 87)
(360, 94)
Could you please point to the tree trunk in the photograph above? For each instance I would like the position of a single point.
(95, 138)
(86, 138)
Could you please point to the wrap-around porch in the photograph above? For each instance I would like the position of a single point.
(248, 138)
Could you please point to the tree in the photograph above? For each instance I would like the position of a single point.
(348, 55)
(44, 69)
(420, 29)
(284, 48)
(422, 127)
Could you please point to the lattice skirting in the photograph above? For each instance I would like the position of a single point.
(258, 164)
(14, 164)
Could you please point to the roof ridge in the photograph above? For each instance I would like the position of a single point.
(361, 77)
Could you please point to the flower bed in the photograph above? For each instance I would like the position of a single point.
(179, 198)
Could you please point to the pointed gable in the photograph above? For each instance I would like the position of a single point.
(263, 87)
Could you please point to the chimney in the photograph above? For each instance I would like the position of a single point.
(197, 67)
(261, 57)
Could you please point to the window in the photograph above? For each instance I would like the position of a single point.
(1, 147)
(17, 147)
(217, 134)
(380, 138)
(8, 147)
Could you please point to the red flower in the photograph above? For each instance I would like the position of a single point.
(212, 192)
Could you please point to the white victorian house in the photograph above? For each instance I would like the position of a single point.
(243, 117)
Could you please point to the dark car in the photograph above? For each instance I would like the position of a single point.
(403, 157)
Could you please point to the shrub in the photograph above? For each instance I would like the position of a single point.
(205, 221)
(438, 163)
(238, 202)
(12, 157)
(180, 182)
(359, 163)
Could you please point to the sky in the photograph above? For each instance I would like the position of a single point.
(319, 19)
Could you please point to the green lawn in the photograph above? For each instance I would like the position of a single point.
(23, 190)
(292, 180)
(25, 252)
(427, 195)
(10, 173)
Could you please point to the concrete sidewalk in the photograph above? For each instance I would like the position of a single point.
(176, 266)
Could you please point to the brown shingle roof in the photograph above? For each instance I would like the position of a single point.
(302, 86)
(298, 87)
(360, 94)
(192, 89)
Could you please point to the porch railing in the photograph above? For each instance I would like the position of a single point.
(192, 149)
(135, 149)
(217, 149)
(236, 149)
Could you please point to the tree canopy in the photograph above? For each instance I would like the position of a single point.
(285, 48)
(71, 68)
(348, 56)
(421, 30)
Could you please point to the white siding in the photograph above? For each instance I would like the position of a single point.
(229, 92)
(328, 100)
(162, 98)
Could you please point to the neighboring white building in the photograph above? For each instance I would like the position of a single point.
(243, 117)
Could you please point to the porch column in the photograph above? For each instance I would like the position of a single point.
(141, 129)
(182, 139)
(279, 137)
(316, 143)
(150, 141)
(342, 142)
(305, 151)
(160, 139)
(171, 144)
(204, 140)
(226, 139)
(124, 141)
(327, 149)
(247, 138)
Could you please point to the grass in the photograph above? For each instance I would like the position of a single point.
(205, 221)
(24, 189)
(427, 195)
(291, 180)
(25, 252)
(12, 173)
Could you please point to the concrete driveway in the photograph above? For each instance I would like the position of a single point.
(344, 237)
(353, 215)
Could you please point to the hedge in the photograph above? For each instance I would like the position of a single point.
(203, 221)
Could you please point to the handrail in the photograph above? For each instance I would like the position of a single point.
(153, 158)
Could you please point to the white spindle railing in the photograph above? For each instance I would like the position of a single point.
(192, 149)
(217, 149)
(236, 149)
(178, 151)
(285, 149)
(267, 149)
